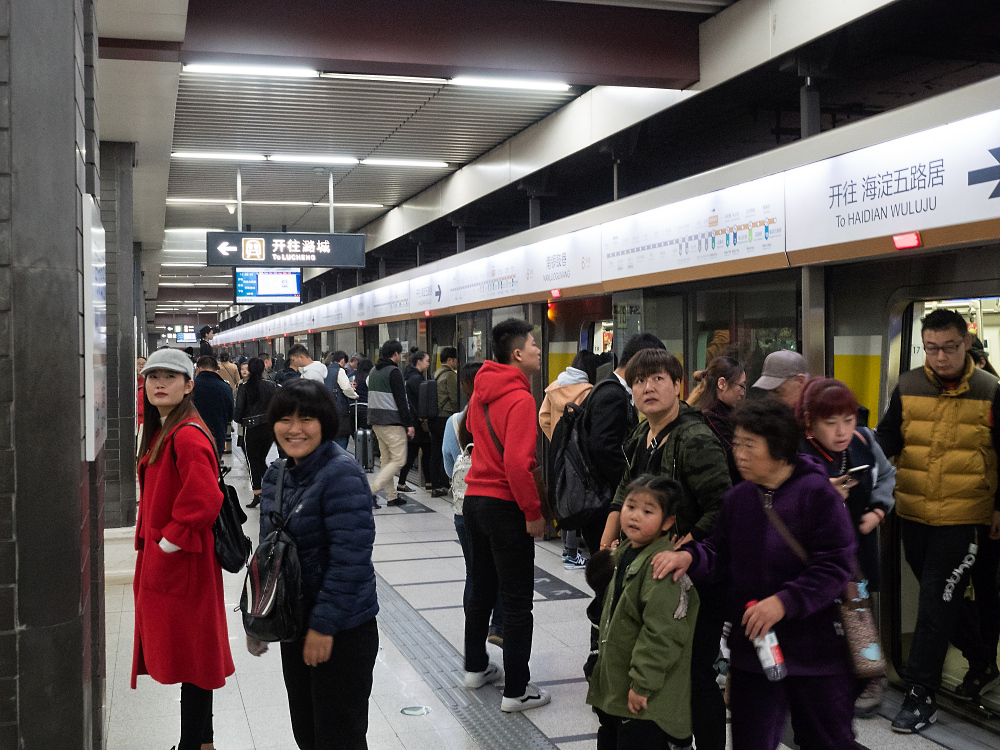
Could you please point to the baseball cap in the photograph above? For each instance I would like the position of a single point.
(169, 359)
(779, 367)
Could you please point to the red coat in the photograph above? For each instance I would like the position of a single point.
(180, 613)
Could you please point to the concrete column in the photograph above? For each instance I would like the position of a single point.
(119, 450)
(51, 603)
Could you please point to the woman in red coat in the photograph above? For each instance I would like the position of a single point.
(180, 619)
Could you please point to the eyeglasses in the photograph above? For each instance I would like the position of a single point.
(946, 348)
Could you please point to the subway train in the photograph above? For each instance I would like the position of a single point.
(834, 247)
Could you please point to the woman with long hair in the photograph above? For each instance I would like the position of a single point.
(252, 400)
(326, 500)
(724, 385)
(180, 615)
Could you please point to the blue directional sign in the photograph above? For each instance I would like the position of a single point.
(283, 250)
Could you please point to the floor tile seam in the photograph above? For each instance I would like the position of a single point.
(528, 733)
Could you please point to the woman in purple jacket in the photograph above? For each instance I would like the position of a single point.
(795, 599)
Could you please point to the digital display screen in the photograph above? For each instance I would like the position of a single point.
(187, 338)
(267, 285)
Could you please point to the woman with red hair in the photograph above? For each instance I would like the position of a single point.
(858, 470)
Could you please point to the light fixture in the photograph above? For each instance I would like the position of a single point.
(226, 201)
(197, 230)
(906, 241)
(231, 208)
(312, 159)
(509, 83)
(387, 79)
(260, 71)
(218, 155)
(404, 163)
(556, 293)
(193, 250)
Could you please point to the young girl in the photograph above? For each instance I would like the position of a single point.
(641, 685)
(180, 616)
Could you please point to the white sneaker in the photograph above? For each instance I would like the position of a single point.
(533, 697)
(492, 673)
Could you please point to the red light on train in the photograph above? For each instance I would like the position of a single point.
(427, 313)
(556, 293)
(361, 322)
(906, 241)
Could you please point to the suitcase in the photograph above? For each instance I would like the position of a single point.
(364, 444)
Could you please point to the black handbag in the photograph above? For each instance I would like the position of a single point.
(232, 546)
(271, 602)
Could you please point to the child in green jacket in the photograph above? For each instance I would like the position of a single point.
(641, 685)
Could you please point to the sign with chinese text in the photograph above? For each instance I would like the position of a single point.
(939, 177)
(283, 250)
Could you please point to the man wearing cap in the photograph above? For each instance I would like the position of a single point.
(785, 375)
(204, 345)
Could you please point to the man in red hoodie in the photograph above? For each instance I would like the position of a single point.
(503, 513)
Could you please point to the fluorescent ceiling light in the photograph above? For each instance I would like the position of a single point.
(388, 79)
(509, 83)
(197, 230)
(193, 250)
(312, 159)
(404, 163)
(223, 201)
(217, 156)
(182, 265)
(264, 71)
(167, 283)
(202, 200)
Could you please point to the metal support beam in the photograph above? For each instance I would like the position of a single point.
(534, 212)
(809, 112)
(459, 239)
(330, 193)
(814, 318)
(239, 199)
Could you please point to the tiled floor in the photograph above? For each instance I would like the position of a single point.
(418, 554)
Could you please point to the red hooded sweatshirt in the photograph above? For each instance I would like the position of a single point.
(513, 415)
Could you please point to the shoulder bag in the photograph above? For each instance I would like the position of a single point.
(538, 473)
(232, 546)
(856, 620)
(271, 602)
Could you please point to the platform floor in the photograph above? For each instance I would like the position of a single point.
(421, 573)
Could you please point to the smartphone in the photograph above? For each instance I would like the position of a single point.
(858, 469)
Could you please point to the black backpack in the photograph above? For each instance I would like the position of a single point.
(232, 546)
(340, 401)
(271, 602)
(427, 399)
(575, 494)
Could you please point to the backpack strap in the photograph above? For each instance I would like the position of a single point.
(173, 450)
(861, 436)
(779, 525)
(493, 434)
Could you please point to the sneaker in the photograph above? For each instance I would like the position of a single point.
(977, 682)
(870, 699)
(918, 712)
(375, 505)
(496, 639)
(578, 562)
(533, 697)
(395, 502)
(492, 673)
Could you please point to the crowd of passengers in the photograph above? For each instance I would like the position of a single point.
(731, 519)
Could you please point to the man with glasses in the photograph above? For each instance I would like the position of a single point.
(941, 426)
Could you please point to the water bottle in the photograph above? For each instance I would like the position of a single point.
(769, 654)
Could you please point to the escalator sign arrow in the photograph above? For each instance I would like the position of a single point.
(989, 174)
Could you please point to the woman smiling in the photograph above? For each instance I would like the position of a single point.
(327, 501)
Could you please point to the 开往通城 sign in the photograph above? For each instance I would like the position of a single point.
(280, 249)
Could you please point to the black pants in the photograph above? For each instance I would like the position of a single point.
(708, 707)
(941, 560)
(412, 449)
(617, 733)
(438, 476)
(257, 441)
(503, 559)
(328, 703)
(986, 608)
(593, 530)
(196, 717)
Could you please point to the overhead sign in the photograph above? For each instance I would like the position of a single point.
(939, 177)
(283, 250)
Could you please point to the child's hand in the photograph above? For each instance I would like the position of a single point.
(636, 702)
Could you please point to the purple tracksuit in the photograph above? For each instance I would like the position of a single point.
(746, 548)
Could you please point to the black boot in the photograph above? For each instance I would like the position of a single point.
(255, 502)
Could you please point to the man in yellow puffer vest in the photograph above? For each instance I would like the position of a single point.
(940, 425)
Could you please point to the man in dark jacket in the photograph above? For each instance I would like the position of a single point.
(389, 416)
(213, 398)
(609, 418)
(447, 403)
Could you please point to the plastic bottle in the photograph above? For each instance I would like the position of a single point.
(769, 654)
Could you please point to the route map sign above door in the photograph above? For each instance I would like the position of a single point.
(284, 250)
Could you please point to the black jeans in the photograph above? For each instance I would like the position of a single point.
(941, 559)
(438, 477)
(503, 559)
(328, 703)
(708, 707)
(412, 449)
(196, 717)
(257, 442)
(617, 733)
(986, 608)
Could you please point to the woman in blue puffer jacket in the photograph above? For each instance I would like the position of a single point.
(328, 669)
